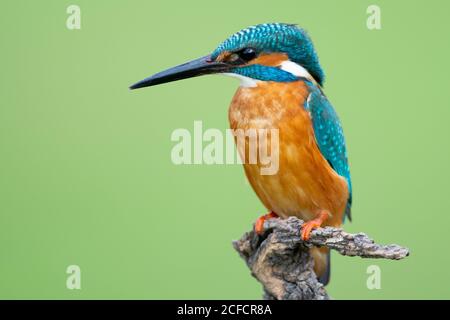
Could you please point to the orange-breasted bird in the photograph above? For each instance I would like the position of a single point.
(281, 88)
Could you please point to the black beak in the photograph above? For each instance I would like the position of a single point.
(194, 68)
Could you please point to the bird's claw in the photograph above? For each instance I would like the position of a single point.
(259, 224)
(309, 226)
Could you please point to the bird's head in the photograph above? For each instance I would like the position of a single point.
(266, 52)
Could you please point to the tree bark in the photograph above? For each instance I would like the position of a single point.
(280, 259)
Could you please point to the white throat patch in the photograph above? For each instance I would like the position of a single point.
(296, 70)
(246, 82)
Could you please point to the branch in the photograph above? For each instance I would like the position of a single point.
(280, 259)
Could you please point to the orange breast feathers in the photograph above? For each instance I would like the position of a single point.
(305, 183)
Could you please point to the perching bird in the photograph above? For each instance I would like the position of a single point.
(281, 88)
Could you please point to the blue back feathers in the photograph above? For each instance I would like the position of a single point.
(276, 38)
(329, 136)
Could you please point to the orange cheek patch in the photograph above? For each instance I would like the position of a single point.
(271, 59)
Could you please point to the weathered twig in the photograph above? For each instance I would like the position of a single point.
(280, 259)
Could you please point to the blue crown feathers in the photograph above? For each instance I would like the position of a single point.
(276, 38)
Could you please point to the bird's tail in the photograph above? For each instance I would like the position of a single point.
(321, 258)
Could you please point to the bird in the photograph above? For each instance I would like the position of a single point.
(281, 87)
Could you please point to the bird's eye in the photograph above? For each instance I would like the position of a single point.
(247, 54)
(242, 56)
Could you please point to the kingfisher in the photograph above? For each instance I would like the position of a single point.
(281, 87)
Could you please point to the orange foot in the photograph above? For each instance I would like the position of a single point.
(259, 224)
(307, 227)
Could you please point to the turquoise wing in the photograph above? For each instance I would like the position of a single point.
(330, 137)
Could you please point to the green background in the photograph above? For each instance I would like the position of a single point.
(85, 170)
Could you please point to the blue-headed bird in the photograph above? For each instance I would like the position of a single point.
(281, 87)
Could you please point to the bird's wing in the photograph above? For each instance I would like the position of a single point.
(329, 136)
